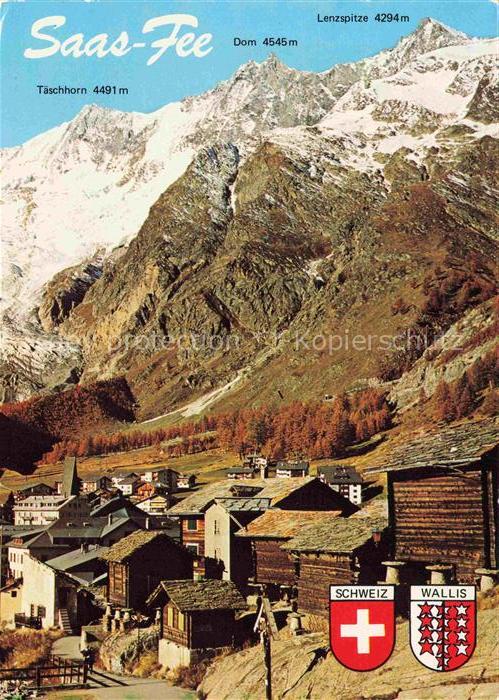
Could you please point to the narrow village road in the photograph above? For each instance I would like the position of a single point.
(109, 686)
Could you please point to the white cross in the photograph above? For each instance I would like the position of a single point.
(363, 631)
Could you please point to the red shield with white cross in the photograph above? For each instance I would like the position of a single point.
(362, 625)
(443, 625)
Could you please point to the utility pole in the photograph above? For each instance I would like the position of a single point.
(266, 625)
(268, 663)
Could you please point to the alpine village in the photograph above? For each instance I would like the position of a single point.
(173, 516)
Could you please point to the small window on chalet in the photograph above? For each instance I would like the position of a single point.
(192, 524)
(175, 619)
(13, 594)
(216, 527)
(192, 548)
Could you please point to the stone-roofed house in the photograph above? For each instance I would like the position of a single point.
(271, 564)
(442, 498)
(137, 564)
(344, 551)
(197, 618)
(343, 478)
(306, 493)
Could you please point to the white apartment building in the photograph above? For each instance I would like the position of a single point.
(44, 510)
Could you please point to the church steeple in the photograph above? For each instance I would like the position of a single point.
(71, 483)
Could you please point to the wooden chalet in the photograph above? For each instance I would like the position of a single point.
(196, 616)
(442, 498)
(137, 563)
(341, 552)
(287, 470)
(272, 565)
(242, 473)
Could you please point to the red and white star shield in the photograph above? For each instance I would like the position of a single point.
(362, 625)
(443, 625)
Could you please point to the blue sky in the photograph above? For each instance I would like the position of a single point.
(25, 113)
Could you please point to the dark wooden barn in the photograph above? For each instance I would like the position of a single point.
(341, 552)
(195, 615)
(442, 498)
(139, 562)
(272, 565)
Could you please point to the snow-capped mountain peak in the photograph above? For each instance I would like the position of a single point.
(88, 184)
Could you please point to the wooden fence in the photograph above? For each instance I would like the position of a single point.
(55, 672)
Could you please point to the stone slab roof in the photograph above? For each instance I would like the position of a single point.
(127, 546)
(274, 489)
(453, 446)
(190, 596)
(283, 524)
(344, 535)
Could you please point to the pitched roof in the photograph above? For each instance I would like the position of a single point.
(98, 527)
(293, 466)
(117, 505)
(210, 594)
(34, 485)
(344, 535)
(23, 532)
(453, 446)
(283, 524)
(241, 470)
(128, 480)
(126, 547)
(340, 474)
(51, 501)
(67, 561)
(274, 489)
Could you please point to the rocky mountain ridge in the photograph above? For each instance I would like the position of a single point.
(297, 218)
